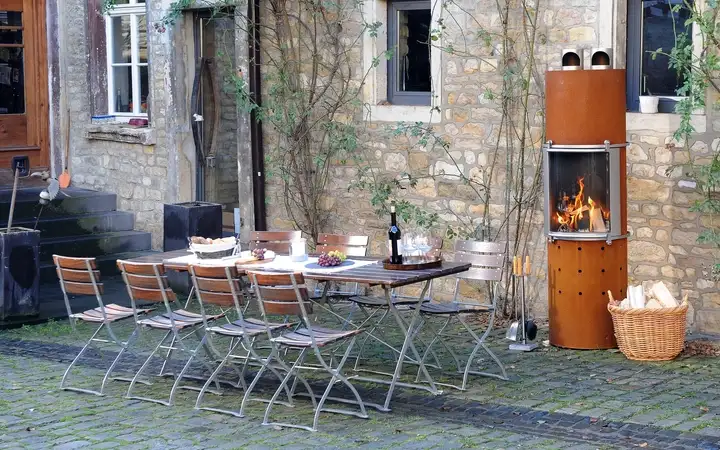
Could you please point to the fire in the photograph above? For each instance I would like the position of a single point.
(573, 212)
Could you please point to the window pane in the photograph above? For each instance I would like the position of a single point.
(122, 76)
(121, 39)
(122, 2)
(12, 81)
(142, 39)
(11, 37)
(413, 51)
(143, 89)
(660, 26)
(10, 19)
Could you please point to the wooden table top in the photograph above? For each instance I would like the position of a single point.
(373, 274)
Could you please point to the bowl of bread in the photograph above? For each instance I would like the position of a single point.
(207, 248)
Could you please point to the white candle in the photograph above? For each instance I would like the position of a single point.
(297, 250)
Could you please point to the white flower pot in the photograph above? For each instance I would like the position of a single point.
(649, 104)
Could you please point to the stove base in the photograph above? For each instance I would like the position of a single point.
(580, 275)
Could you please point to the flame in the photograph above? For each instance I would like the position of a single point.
(574, 212)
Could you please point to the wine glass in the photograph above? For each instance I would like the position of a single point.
(422, 243)
(408, 243)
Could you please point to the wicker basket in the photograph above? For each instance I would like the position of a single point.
(650, 334)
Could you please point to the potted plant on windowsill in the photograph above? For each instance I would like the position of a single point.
(649, 103)
(20, 258)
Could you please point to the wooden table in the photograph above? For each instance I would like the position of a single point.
(372, 275)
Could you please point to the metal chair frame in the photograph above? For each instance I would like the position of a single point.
(245, 338)
(268, 291)
(145, 274)
(487, 259)
(79, 270)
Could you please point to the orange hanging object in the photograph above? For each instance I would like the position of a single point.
(64, 178)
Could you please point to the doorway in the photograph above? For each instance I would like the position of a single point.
(24, 114)
(214, 113)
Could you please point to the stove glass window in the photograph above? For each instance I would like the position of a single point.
(579, 192)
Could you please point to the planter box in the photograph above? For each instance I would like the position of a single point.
(183, 220)
(20, 272)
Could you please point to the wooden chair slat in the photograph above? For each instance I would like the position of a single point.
(67, 262)
(72, 287)
(281, 248)
(140, 268)
(481, 274)
(486, 260)
(275, 279)
(218, 298)
(285, 308)
(217, 285)
(339, 239)
(151, 295)
(146, 281)
(347, 250)
(214, 271)
(275, 235)
(80, 276)
(282, 293)
(479, 247)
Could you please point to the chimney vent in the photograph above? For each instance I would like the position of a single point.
(572, 59)
(601, 59)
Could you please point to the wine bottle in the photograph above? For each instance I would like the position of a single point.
(394, 236)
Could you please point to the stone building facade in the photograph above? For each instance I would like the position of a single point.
(149, 167)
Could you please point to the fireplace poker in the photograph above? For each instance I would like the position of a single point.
(524, 346)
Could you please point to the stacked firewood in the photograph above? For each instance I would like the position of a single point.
(656, 297)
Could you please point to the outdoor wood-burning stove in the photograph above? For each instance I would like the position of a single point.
(585, 199)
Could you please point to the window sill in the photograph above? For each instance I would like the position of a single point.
(403, 113)
(662, 122)
(120, 133)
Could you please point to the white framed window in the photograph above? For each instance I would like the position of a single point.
(127, 59)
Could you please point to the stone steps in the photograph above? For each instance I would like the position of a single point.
(80, 223)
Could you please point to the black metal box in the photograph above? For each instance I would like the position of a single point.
(20, 272)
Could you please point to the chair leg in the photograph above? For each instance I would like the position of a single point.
(87, 345)
(436, 336)
(167, 358)
(338, 376)
(480, 343)
(222, 364)
(117, 358)
(292, 371)
(143, 367)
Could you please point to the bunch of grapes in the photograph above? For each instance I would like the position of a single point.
(333, 258)
(258, 253)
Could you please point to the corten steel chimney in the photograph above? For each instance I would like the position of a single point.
(585, 201)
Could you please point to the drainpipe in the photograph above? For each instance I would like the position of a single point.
(256, 134)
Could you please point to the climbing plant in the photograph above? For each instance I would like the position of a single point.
(699, 71)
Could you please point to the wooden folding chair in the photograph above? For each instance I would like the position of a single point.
(148, 282)
(350, 246)
(79, 276)
(285, 294)
(487, 259)
(276, 241)
(224, 287)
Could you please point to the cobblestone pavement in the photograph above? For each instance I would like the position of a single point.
(555, 399)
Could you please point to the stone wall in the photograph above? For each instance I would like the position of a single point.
(663, 229)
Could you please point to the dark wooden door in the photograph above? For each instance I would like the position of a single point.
(23, 82)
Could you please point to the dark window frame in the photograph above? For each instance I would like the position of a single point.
(395, 96)
(633, 64)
